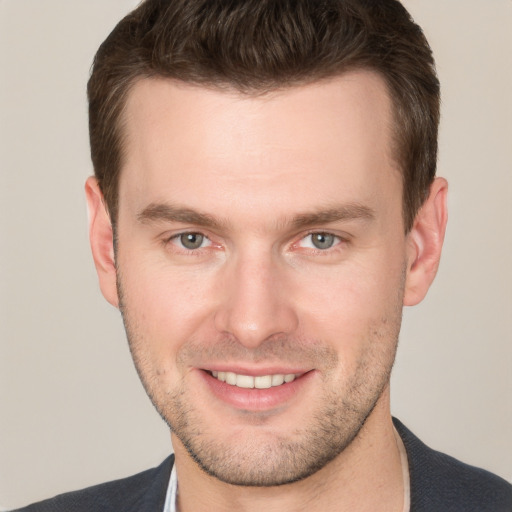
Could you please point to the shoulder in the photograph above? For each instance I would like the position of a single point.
(143, 491)
(441, 483)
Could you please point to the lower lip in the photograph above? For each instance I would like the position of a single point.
(255, 399)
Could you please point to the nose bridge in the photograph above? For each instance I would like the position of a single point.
(255, 306)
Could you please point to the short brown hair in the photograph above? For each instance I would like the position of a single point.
(256, 46)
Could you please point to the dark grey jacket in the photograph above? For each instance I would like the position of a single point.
(439, 483)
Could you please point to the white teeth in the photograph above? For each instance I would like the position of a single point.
(244, 381)
(231, 378)
(277, 380)
(248, 382)
(263, 382)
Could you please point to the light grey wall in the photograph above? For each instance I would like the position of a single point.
(72, 412)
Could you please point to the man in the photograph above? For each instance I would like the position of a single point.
(264, 204)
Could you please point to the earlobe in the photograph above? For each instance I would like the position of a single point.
(102, 241)
(425, 241)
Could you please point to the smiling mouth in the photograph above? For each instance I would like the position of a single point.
(250, 382)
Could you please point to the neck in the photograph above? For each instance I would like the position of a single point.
(365, 477)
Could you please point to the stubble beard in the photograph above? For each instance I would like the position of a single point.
(273, 458)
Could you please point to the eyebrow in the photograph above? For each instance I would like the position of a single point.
(164, 212)
(351, 211)
(158, 212)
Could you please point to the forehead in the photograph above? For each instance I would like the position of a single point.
(328, 140)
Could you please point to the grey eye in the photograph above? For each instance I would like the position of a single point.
(322, 240)
(192, 240)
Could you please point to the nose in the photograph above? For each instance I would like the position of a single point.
(255, 305)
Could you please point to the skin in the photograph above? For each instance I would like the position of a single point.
(255, 178)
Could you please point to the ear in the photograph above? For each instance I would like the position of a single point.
(102, 241)
(425, 241)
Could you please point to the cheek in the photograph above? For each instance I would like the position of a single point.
(163, 307)
(346, 305)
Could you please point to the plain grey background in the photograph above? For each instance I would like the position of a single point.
(72, 411)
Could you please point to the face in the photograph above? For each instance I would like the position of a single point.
(261, 265)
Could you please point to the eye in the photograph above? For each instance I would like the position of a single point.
(320, 241)
(191, 241)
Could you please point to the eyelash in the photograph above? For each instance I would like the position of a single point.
(337, 241)
(186, 250)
